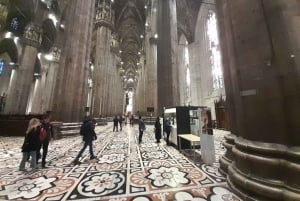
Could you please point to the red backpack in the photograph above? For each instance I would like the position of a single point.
(43, 134)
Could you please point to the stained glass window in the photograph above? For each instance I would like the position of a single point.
(15, 24)
(1, 66)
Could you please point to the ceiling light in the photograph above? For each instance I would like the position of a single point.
(49, 57)
(120, 51)
(139, 53)
(8, 35)
(146, 7)
(53, 18)
(141, 36)
(146, 24)
(122, 62)
(39, 55)
(155, 36)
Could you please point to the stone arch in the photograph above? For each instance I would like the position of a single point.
(19, 15)
(8, 46)
(49, 35)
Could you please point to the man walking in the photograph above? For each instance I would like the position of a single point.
(88, 134)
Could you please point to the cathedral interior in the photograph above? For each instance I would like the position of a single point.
(239, 60)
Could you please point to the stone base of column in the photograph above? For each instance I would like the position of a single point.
(264, 171)
(227, 159)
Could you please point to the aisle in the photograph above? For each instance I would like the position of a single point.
(124, 171)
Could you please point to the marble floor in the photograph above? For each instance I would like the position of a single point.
(124, 171)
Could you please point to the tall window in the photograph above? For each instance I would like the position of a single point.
(130, 104)
(1, 66)
(214, 46)
(188, 79)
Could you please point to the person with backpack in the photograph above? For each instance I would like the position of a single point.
(87, 131)
(45, 136)
(142, 127)
(31, 144)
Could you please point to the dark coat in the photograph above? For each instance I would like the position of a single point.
(32, 141)
(167, 126)
(157, 126)
(87, 131)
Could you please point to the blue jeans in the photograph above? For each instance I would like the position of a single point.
(25, 157)
(86, 143)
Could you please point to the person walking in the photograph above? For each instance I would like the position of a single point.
(87, 131)
(142, 127)
(168, 128)
(31, 144)
(157, 128)
(116, 122)
(44, 141)
(120, 122)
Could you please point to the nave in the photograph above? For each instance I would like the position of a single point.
(124, 171)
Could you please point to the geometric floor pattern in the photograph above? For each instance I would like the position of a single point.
(124, 171)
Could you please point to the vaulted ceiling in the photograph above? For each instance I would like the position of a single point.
(130, 25)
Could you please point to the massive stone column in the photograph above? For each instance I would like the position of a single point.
(113, 99)
(19, 90)
(151, 59)
(168, 90)
(71, 88)
(44, 92)
(260, 43)
(104, 24)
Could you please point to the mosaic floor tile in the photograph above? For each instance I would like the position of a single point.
(124, 171)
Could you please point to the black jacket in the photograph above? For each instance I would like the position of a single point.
(31, 141)
(87, 130)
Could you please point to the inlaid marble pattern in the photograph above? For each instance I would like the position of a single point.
(124, 171)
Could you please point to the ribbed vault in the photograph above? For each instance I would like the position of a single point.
(130, 25)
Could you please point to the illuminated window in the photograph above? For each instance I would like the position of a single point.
(214, 47)
(1, 66)
(15, 24)
(188, 78)
(130, 103)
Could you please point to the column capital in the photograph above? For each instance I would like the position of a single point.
(55, 52)
(33, 35)
(104, 15)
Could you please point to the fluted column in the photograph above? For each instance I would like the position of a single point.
(48, 95)
(103, 23)
(71, 88)
(166, 57)
(19, 89)
(37, 96)
(261, 67)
